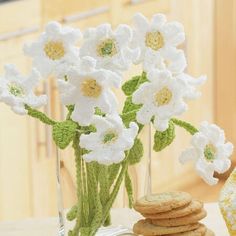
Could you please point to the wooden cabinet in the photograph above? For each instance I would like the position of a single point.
(27, 156)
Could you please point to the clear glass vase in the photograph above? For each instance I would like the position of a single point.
(64, 225)
(148, 185)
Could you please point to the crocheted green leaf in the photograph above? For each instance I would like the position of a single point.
(164, 139)
(129, 111)
(136, 152)
(132, 85)
(63, 133)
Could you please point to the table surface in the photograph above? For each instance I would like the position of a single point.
(125, 217)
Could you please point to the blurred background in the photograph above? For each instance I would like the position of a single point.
(27, 154)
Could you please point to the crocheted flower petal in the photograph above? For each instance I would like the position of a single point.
(90, 141)
(123, 34)
(161, 124)
(140, 22)
(173, 33)
(158, 20)
(144, 115)
(142, 94)
(206, 172)
(83, 114)
(222, 165)
(199, 141)
(20, 110)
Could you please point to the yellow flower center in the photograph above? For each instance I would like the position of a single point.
(154, 40)
(90, 88)
(16, 90)
(107, 48)
(209, 152)
(54, 50)
(163, 97)
(110, 137)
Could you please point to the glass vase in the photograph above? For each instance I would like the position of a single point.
(64, 225)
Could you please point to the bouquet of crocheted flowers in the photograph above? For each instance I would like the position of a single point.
(105, 140)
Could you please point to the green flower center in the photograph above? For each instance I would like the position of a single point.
(16, 90)
(209, 152)
(107, 48)
(54, 50)
(154, 40)
(90, 88)
(163, 97)
(110, 137)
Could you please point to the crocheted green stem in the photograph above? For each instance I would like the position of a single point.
(92, 190)
(79, 217)
(187, 126)
(85, 195)
(70, 109)
(98, 211)
(113, 171)
(129, 188)
(39, 115)
(104, 189)
(115, 190)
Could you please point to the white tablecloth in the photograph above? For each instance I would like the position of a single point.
(125, 217)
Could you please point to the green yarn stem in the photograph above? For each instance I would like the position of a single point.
(115, 191)
(79, 217)
(98, 211)
(104, 189)
(187, 126)
(129, 188)
(92, 190)
(39, 115)
(71, 215)
(113, 171)
(85, 195)
(70, 109)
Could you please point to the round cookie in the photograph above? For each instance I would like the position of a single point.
(189, 219)
(162, 202)
(209, 233)
(144, 227)
(192, 207)
(200, 231)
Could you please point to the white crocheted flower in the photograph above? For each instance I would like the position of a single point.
(110, 141)
(172, 59)
(209, 152)
(191, 84)
(156, 37)
(17, 90)
(88, 89)
(162, 97)
(54, 48)
(110, 48)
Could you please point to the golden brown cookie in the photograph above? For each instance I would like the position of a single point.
(192, 207)
(186, 220)
(144, 227)
(209, 233)
(162, 202)
(200, 231)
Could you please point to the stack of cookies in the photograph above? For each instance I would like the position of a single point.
(171, 214)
